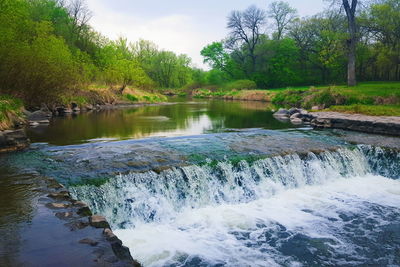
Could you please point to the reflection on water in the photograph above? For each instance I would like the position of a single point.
(185, 118)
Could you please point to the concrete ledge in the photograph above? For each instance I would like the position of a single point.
(386, 125)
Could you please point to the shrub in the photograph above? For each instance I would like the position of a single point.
(241, 85)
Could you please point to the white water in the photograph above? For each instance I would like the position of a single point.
(256, 214)
(207, 232)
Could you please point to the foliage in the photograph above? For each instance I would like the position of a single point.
(240, 85)
(48, 50)
(311, 50)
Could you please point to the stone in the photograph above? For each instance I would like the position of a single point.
(54, 205)
(110, 236)
(316, 108)
(12, 140)
(121, 251)
(296, 116)
(282, 113)
(63, 195)
(296, 121)
(89, 241)
(98, 221)
(84, 210)
(63, 110)
(387, 125)
(64, 215)
(293, 111)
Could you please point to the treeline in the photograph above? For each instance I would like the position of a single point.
(276, 48)
(47, 48)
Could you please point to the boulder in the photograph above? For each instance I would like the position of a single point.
(282, 113)
(98, 221)
(57, 205)
(39, 116)
(63, 110)
(296, 116)
(63, 195)
(296, 121)
(294, 111)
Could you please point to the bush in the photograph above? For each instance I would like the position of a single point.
(241, 85)
(291, 98)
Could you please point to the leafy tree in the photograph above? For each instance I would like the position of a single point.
(282, 15)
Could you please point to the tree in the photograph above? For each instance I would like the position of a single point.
(352, 40)
(215, 55)
(283, 15)
(246, 30)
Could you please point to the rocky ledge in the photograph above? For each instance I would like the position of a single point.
(357, 122)
(12, 140)
(386, 125)
(108, 249)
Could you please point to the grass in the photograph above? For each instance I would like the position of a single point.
(374, 110)
(372, 98)
(10, 111)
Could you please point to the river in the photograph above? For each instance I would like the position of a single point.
(211, 183)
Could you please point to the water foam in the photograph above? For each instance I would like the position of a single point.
(254, 214)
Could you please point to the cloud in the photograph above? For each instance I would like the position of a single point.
(174, 32)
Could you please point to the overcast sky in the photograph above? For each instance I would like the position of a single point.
(182, 26)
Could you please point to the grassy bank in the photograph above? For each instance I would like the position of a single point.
(10, 112)
(11, 108)
(371, 98)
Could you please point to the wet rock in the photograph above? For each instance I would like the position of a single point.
(296, 116)
(77, 225)
(12, 140)
(89, 241)
(110, 236)
(39, 115)
(362, 123)
(282, 113)
(296, 121)
(63, 195)
(293, 111)
(83, 209)
(121, 251)
(98, 221)
(57, 205)
(63, 110)
(64, 215)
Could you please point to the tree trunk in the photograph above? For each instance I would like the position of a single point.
(352, 41)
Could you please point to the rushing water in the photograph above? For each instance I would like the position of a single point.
(213, 183)
(328, 209)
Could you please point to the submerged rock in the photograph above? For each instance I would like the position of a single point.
(12, 140)
(98, 221)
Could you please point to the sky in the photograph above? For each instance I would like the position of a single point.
(181, 26)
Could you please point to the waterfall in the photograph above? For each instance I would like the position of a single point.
(339, 207)
(145, 197)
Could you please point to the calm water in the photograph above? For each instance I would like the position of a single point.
(207, 183)
(184, 118)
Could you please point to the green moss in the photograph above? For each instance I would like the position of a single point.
(94, 182)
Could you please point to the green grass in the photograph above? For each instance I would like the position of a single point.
(373, 98)
(10, 111)
(373, 110)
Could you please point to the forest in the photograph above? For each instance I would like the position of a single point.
(277, 48)
(48, 50)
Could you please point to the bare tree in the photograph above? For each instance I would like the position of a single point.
(352, 40)
(246, 29)
(283, 15)
(80, 14)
